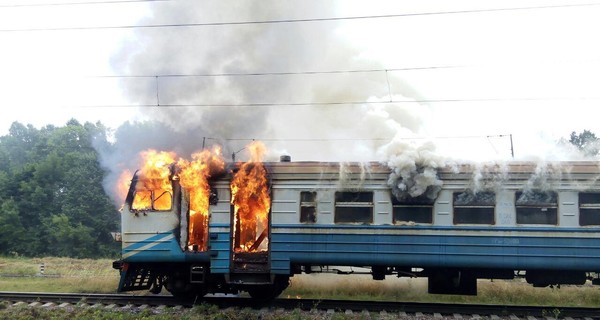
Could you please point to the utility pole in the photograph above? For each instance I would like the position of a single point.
(512, 150)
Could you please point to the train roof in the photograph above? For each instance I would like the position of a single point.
(584, 167)
(509, 174)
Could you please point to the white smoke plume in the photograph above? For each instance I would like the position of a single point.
(547, 176)
(414, 169)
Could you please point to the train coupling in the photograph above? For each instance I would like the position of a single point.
(118, 264)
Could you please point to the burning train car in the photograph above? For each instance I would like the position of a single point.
(216, 227)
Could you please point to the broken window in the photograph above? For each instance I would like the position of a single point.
(353, 207)
(308, 207)
(536, 207)
(418, 209)
(159, 200)
(589, 208)
(474, 208)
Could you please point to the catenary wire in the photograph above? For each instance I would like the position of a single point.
(335, 103)
(280, 21)
(56, 4)
(492, 64)
(283, 73)
(360, 139)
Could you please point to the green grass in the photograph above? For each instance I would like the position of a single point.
(61, 275)
(514, 292)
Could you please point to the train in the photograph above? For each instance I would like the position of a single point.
(540, 221)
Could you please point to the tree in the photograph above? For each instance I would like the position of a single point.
(13, 237)
(51, 193)
(66, 238)
(586, 142)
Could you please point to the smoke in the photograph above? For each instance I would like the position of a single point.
(488, 176)
(307, 115)
(192, 111)
(414, 169)
(547, 176)
(348, 177)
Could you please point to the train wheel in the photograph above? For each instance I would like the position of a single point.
(180, 288)
(452, 282)
(266, 293)
(193, 293)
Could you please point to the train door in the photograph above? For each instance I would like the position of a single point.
(251, 220)
(194, 219)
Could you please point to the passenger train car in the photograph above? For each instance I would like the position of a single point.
(494, 221)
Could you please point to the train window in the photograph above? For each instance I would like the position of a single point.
(418, 209)
(353, 207)
(589, 208)
(474, 208)
(536, 207)
(308, 207)
(159, 200)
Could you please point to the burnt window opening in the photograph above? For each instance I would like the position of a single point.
(589, 208)
(155, 200)
(308, 207)
(413, 209)
(536, 207)
(198, 217)
(474, 208)
(353, 207)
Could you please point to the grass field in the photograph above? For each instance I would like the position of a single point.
(97, 276)
(514, 292)
(60, 275)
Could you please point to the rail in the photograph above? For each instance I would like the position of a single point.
(415, 308)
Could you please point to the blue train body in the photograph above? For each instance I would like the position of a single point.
(485, 221)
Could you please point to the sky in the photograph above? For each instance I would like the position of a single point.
(481, 79)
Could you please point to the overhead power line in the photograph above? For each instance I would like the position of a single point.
(279, 21)
(283, 73)
(492, 64)
(56, 4)
(360, 139)
(334, 103)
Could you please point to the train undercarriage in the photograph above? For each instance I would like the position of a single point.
(193, 281)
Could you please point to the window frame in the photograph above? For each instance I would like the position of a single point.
(421, 202)
(589, 208)
(353, 206)
(308, 205)
(153, 199)
(479, 203)
(528, 207)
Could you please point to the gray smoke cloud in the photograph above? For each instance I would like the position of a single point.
(191, 108)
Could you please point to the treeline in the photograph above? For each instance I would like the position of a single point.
(51, 197)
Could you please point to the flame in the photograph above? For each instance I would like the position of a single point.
(252, 202)
(154, 189)
(194, 177)
(249, 193)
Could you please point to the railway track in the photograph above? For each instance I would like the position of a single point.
(407, 309)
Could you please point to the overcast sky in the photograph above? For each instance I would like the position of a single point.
(459, 72)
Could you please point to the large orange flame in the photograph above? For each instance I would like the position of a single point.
(249, 193)
(154, 189)
(194, 177)
(252, 202)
